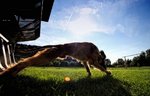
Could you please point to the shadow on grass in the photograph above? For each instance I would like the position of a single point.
(28, 86)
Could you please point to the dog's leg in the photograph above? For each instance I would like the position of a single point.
(87, 68)
(43, 56)
(102, 69)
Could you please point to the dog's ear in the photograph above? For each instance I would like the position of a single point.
(103, 54)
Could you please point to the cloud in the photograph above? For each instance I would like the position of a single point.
(94, 16)
(87, 11)
(84, 24)
(84, 19)
(77, 19)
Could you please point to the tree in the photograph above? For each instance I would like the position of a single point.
(128, 63)
(148, 52)
(120, 62)
(114, 64)
(147, 57)
(142, 59)
(135, 61)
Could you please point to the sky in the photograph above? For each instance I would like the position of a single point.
(119, 27)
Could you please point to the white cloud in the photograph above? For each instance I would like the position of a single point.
(82, 25)
(59, 40)
(94, 16)
(78, 20)
(87, 11)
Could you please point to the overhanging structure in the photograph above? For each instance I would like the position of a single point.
(20, 20)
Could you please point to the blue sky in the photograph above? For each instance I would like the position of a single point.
(119, 27)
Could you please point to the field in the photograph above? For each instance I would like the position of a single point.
(49, 81)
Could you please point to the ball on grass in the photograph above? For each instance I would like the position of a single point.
(67, 79)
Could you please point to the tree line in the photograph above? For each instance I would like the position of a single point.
(143, 59)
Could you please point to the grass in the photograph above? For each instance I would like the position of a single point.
(40, 81)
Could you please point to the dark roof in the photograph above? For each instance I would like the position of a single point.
(20, 20)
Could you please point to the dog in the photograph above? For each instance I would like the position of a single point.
(85, 52)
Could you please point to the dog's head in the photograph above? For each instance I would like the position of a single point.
(102, 58)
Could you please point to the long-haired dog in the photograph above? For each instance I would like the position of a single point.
(86, 52)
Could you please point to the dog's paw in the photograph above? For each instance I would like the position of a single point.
(108, 73)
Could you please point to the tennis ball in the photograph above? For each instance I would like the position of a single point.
(67, 79)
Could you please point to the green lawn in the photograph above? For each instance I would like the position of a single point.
(49, 81)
